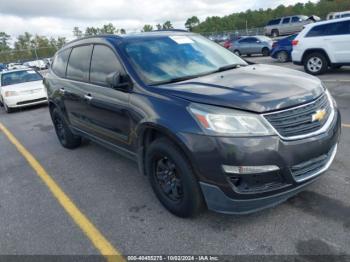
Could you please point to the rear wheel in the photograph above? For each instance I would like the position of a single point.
(316, 64)
(172, 179)
(282, 57)
(265, 51)
(64, 134)
(275, 33)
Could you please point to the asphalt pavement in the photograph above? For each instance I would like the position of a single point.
(110, 192)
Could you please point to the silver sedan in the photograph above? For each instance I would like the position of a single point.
(252, 45)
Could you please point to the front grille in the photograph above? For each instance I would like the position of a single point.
(299, 121)
(309, 168)
(32, 101)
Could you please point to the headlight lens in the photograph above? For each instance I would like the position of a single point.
(223, 121)
(11, 93)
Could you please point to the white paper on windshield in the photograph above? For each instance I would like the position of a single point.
(180, 39)
(31, 72)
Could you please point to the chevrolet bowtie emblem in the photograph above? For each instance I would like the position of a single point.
(319, 115)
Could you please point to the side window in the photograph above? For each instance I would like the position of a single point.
(320, 30)
(286, 20)
(79, 63)
(103, 63)
(340, 28)
(295, 19)
(59, 65)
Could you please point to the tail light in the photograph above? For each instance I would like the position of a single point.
(295, 42)
(274, 44)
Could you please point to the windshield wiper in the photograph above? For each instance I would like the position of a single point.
(228, 67)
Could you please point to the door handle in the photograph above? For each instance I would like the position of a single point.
(88, 97)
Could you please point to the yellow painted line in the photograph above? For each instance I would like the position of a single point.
(95, 236)
(346, 125)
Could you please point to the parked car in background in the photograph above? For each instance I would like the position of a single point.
(251, 45)
(282, 49)
(36, 64)
(14, 66)
(323, 45)
(336, 15)
(288, 25)
(228, 43)
(21, 88)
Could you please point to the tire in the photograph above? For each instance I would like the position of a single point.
(265, 51)
(316, 63)
(237, 53)
(282, 56)
(275, 33)
(172, 179)
(8, 109)
(64, 134)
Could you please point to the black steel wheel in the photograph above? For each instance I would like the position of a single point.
(64, 134)
(172, 179)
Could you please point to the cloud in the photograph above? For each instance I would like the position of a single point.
(58, 17)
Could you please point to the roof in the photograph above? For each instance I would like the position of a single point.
(134, 35)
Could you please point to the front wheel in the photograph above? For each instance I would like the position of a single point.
(64, 134)
(173, 179)
(316, 64)
(265, 51)
(237, 53)
(8, 109)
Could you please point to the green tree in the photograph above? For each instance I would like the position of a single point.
(77, 32)
(4, 39)
(192, 22)
(147, 28)
(107, 29)
(167, 25)
(122, 31)
(159, 27)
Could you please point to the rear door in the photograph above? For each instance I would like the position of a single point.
(337, 40)
(285, 26)
(108, 108)
(76, 85)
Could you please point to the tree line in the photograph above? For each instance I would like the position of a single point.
(29, 47)
(259, 18)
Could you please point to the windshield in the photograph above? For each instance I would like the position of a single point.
(168, 58)
(17, 77)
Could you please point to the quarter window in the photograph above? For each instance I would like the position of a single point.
(60, 63)
(103, 63)
(295, 19)
(79, 63)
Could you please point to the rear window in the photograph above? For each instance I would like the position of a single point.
(79, 63)
(338, 28)
(18, 77)
(60, 63)
(274, 22)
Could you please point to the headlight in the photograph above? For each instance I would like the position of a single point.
(223, 121)
(10, 93)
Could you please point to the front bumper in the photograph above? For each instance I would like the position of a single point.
(26, 99)
(248, 193)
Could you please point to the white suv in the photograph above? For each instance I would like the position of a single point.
(323, 45)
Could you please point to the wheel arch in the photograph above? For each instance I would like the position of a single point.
(315, 50)
(149, 132)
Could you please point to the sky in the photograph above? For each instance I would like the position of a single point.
(58, 17)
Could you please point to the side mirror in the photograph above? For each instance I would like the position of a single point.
(113, 79)
(118, 81)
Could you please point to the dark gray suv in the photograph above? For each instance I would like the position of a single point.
(208, 129)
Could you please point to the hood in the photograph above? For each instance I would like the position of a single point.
(23, 86)
(256, 88)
